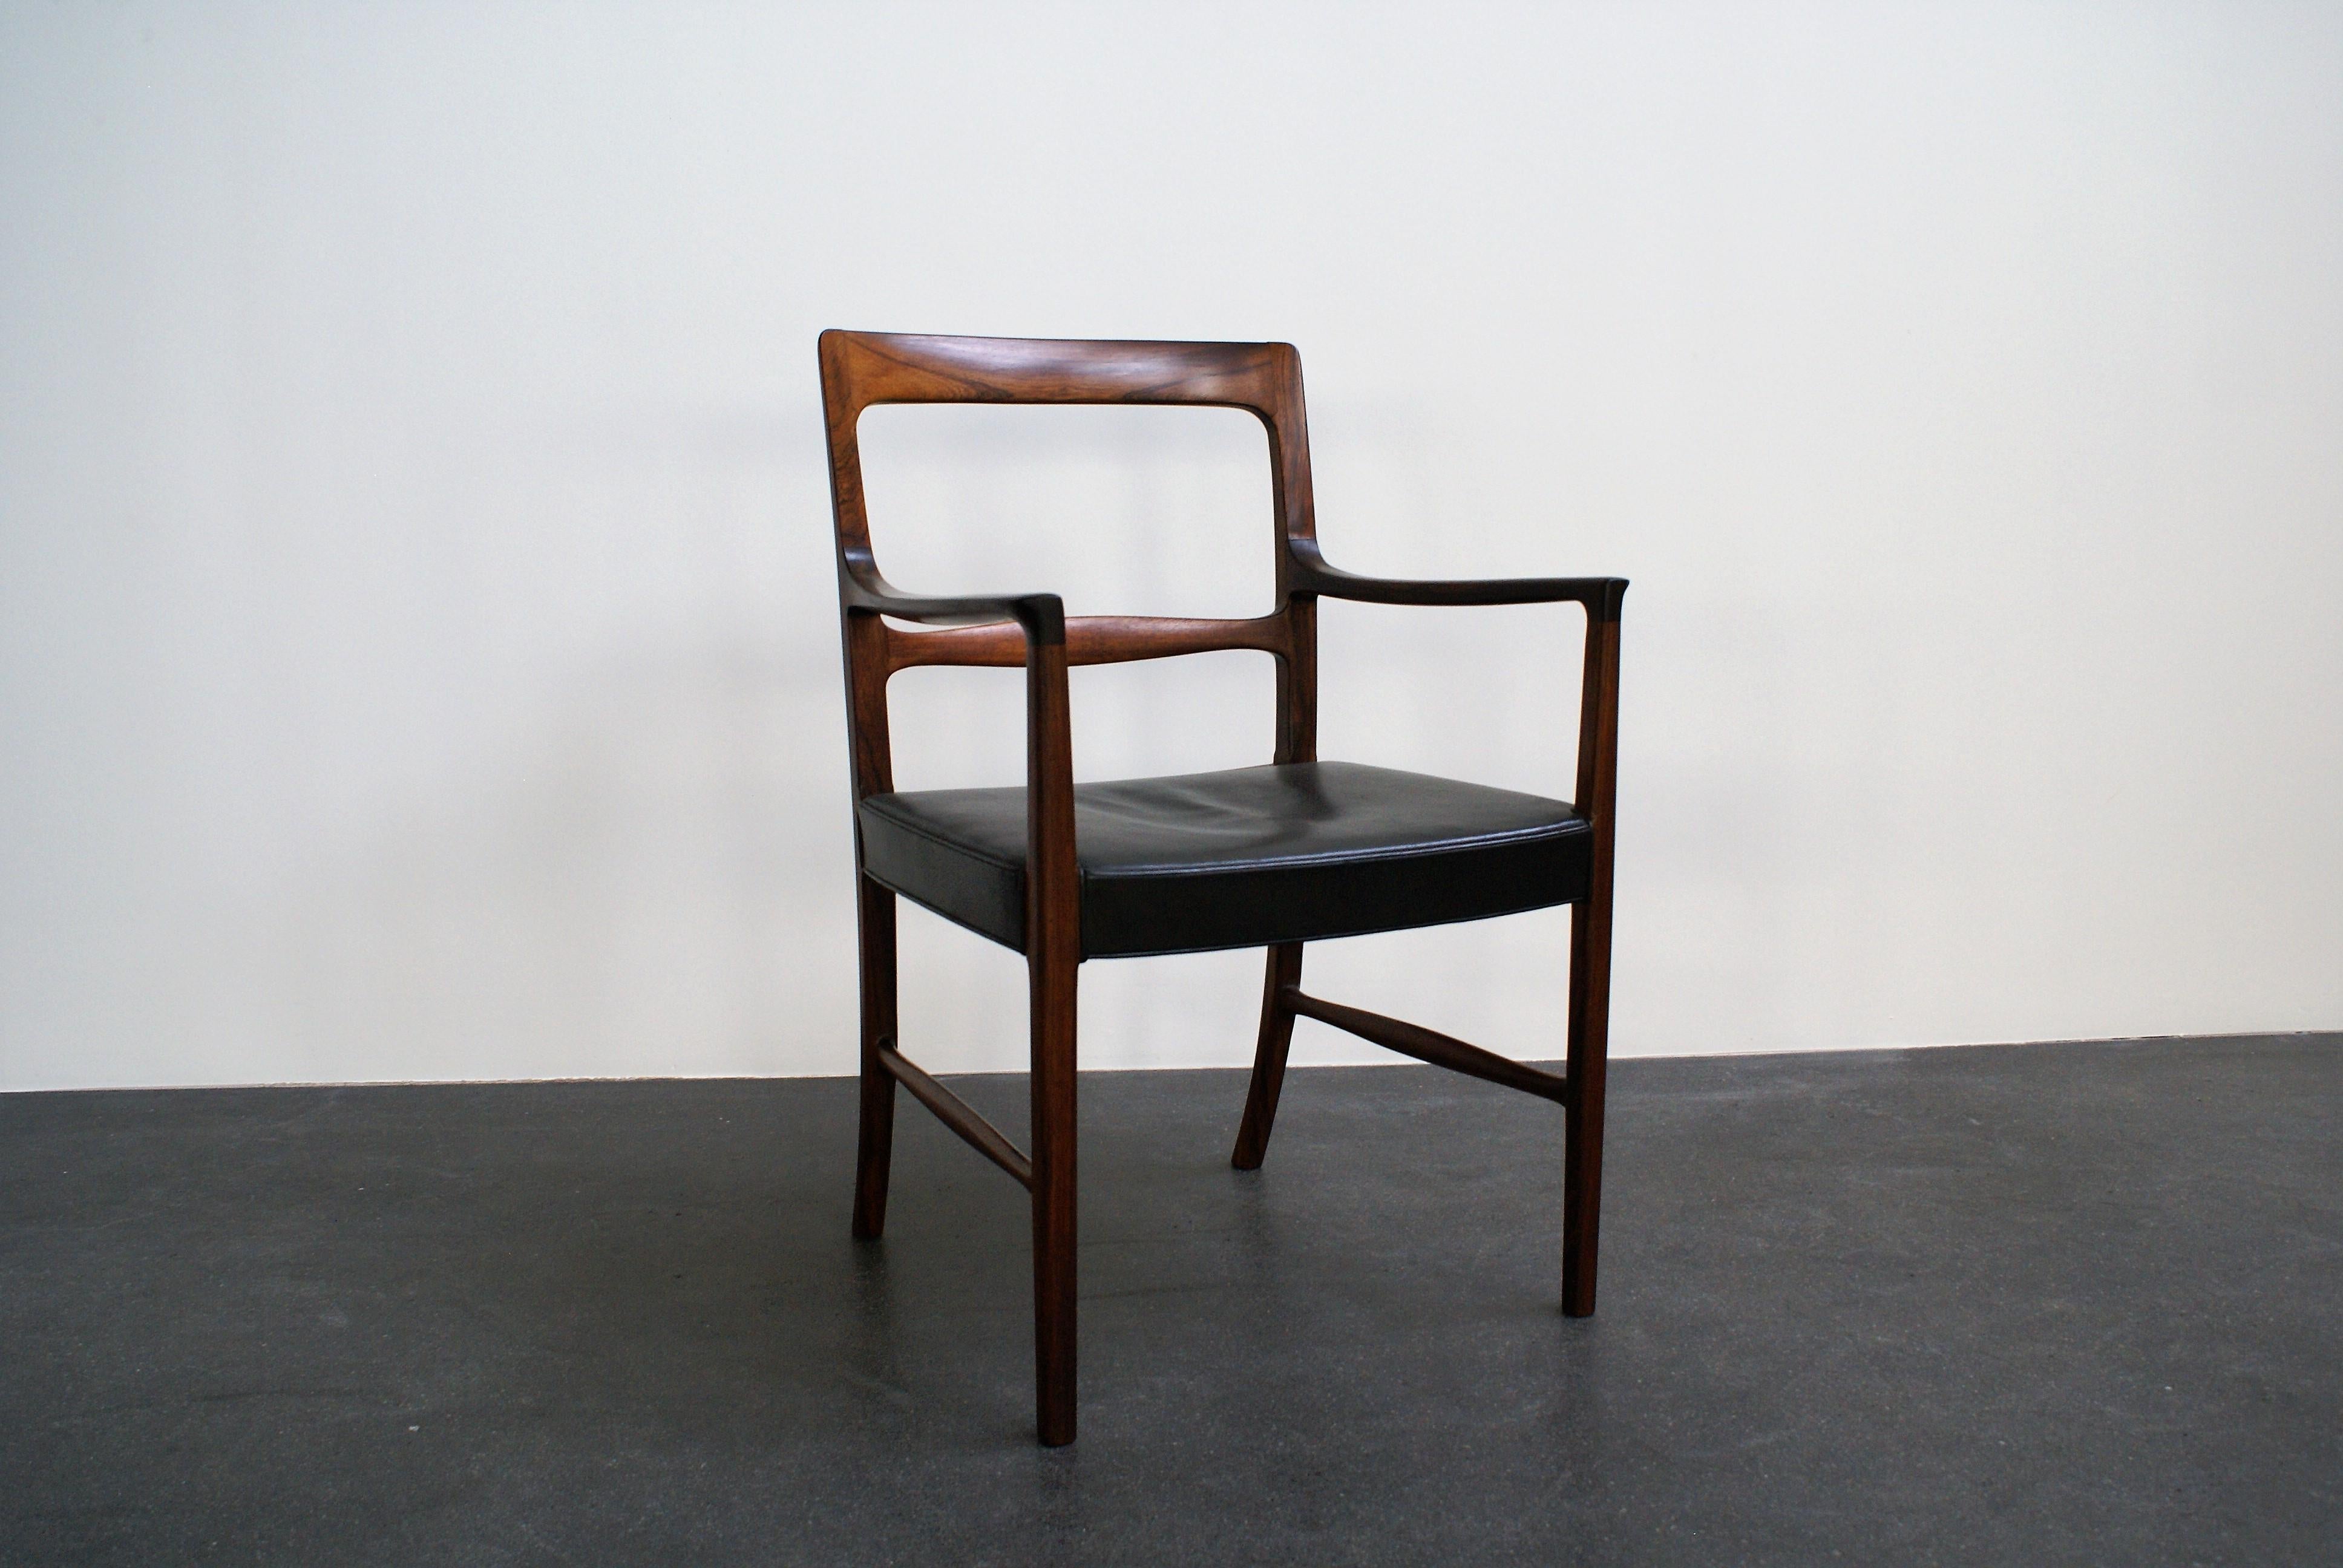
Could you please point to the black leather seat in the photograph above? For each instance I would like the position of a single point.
(1247, 857)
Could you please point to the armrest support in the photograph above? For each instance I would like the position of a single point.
(1043, 615)
(1312, 574)
(1598, 706)
(1053, 879)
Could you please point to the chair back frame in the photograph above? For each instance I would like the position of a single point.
(861, 369)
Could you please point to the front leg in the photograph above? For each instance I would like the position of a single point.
(1054, 1230)
(1053, 955)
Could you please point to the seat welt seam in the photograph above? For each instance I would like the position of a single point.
(959, 845)
(1509, 907)
(961, 921)
(1360, 858)
(1355, 858)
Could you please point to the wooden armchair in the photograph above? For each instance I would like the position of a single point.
(1269, 857)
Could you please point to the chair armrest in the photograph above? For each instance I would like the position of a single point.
(1043, 615)
(1310, 574)
(1052, 876)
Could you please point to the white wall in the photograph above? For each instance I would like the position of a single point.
(418, 653)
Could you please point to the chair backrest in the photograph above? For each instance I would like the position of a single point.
(860, 368)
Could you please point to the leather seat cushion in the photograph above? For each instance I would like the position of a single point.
(1253, 855)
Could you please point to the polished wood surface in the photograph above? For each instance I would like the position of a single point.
(1279, 988)
(1090, 639)
(886, 630)
(1590, 962)
(959, 1115)
(1601, 596)
(1053, 956)
(875, 1145)
(1430, 1045)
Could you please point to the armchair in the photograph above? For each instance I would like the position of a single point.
(1273, 856)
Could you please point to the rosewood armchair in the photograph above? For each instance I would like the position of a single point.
(1269, 857)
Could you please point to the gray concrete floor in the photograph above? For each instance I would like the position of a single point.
(2064, 1304)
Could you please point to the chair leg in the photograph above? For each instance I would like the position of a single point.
(874, 1147)
(1581, 1173)
(1269, 1057)
(1054, 1231)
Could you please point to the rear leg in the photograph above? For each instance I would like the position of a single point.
(874, 1148)
(1285, 972)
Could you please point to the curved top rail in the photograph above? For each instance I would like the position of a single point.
(863, 368)
(860, 368)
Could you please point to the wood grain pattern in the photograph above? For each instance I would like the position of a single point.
(1090, 639)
